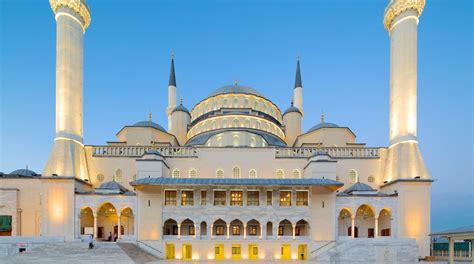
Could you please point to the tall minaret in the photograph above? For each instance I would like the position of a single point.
(171, 94)
(405, 172)
(298, 91)
(68, 157)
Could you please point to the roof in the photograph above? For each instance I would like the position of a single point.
(180, 108)
(172, 81)
(298, 75)
(149, 124)
(359, 187)
(235, 89)
(322, 125)
(24, 172)
(292, 109)
(202, 138)
(460, 230)
(112, 186)
(229, 181)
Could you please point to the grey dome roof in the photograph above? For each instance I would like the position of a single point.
(113, 185)
(149, 124)
(359, 187)
(322, 125)
(236, 89)
(24, 172)
(180, 108)
(292, 109)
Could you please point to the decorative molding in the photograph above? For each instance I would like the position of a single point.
(77, 6)
(396, 7)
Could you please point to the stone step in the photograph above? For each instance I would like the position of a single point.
(137, 254)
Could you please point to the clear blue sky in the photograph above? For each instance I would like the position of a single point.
(345, 70)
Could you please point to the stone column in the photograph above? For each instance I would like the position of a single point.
(195, 231)
(261, 232)
(353, 227)
(95, 225)
(67, 157)
(119, 229)
(451, 251)
(228, 233)
(245, 231)
(209, 233)
(376, 231)
(294, 231)
(179, 231)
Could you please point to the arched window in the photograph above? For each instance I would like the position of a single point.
(371, 179)
(175, 173)
(235, 140)
(225, 102)
(253, 142)
(236, 122)
(246, 102)
(296, 174)
(252, 174)
(219, 173)
(224, 123)
(118, 176)
(247, 123)
(214, 124)
(192, 173)
(280, 174)
(219, 141)
(100, 177)
(236, 102)
(353, 176)
(259, 125)
(236, 172)
(255, 106)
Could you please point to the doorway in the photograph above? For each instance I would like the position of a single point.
(302, 252)
(187, 252)
(170, 251)
(285, 252)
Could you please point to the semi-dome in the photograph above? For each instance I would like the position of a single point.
(24, 172)
(322, 125)
(235, 89)
(149, 124)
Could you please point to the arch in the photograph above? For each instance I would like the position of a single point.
(175, 173)
(236, 172)
(253, 142)
(219, 228)
(285, 228)
(187, 227)
(302, 228)
(296, 174)
(269, 228)
(385, 222)
(365, 221)
(107, 219)
(236, 227)
(170, 227)
(203, 229)
(280, 174)
(236, 122)
(344, 222)
(235, 140)
(253, 174)
(127, 221)
(220, 173)
(87, 221)
(192, 173)
(353, 176)
(254, 228)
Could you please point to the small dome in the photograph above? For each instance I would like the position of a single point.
(24, 172)
(359, 187)
(149, 124)
(292, 109)
(322, 125)
(235, 89)
(180, 108)
(113, 185)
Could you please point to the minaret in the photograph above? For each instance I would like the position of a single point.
(298, 91)
(68, 157)
(405, 172)
(171, 94)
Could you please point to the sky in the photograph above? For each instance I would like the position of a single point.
(344, 52)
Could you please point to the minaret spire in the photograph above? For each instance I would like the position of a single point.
(172, 81)
(298, 74)
(171, 92)
(298, 91)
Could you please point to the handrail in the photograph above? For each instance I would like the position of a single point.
(141, 242)
(328, 243)
(335, 152)
(138, 151)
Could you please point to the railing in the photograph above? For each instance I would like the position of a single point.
(149, 247)
(335, 152)
(138, 151)
(323, 246)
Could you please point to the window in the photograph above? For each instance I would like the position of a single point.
(280, 174)
(170, 197)
(192, 173)
(191, 230)
(252, 174)
(236, 102)
(187, 198)
(219, 230)
(371, 179)
(175, 173)
(118, 175)
(269, 198)
(235, 141)
(100, 177)
(236, 198)
(224, 125)
(253, 198)
(236, 122)
(219, 174)
(253, 142)
(301, 198)
(280, 233)
(285, 198)
(235, 249)
(352, 176)
(296, 174)
(252, 230)
(236, 172)
(219, 198)
(6, 224)
(203, 197)
(236, 230)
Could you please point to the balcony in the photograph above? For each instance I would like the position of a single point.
(138, 151)
(334, 152)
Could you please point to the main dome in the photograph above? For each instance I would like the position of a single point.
(235, 89)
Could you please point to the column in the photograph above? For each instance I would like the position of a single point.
(294, 231)
(376, 231)
(451, 251)
(179, 231)
(245, 231)
(119, 234)
(228, 233)
(95, 225)
(210, 234)
(261, 231)
(352, 227)
(195, 231)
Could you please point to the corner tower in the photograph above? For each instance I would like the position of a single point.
(68, 157)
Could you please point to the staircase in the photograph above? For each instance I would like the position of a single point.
(137, 254)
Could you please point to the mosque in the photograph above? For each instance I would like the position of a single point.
(234, 177)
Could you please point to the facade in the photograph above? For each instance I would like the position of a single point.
(234, 177)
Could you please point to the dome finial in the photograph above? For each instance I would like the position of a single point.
(181, 101)
(292, 103)
(172, 54)
(322, 118)
(236, 82)
(149, 116)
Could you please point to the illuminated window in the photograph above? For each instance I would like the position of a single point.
(219, 198)
(280, 233)
(100, 177)
(219, 232)
(301, 198)
(235, 141)
(170, 197)
(203, 197)
(285, 198)
(246, 102)
(236, 122)
(118, 175)
(187, 198)
(236, 102)
(219, 174)
(224, 125)
(296, 174)
(280, 174)
(255, 105)
(371, 179)
(352, 176)
(175, 173)
(191, 230)
(225, 102)
(236, 230)
(269, 198)
(236, 198)
(253, 198)
(236, 172)
(253, 230)
(192, 173)
(247, 123)
(252, 174)
(236, 248)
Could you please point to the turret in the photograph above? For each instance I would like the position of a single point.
(171, 93)
(67, 157)
(180, 119)
(298, 91)
(292, 121)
